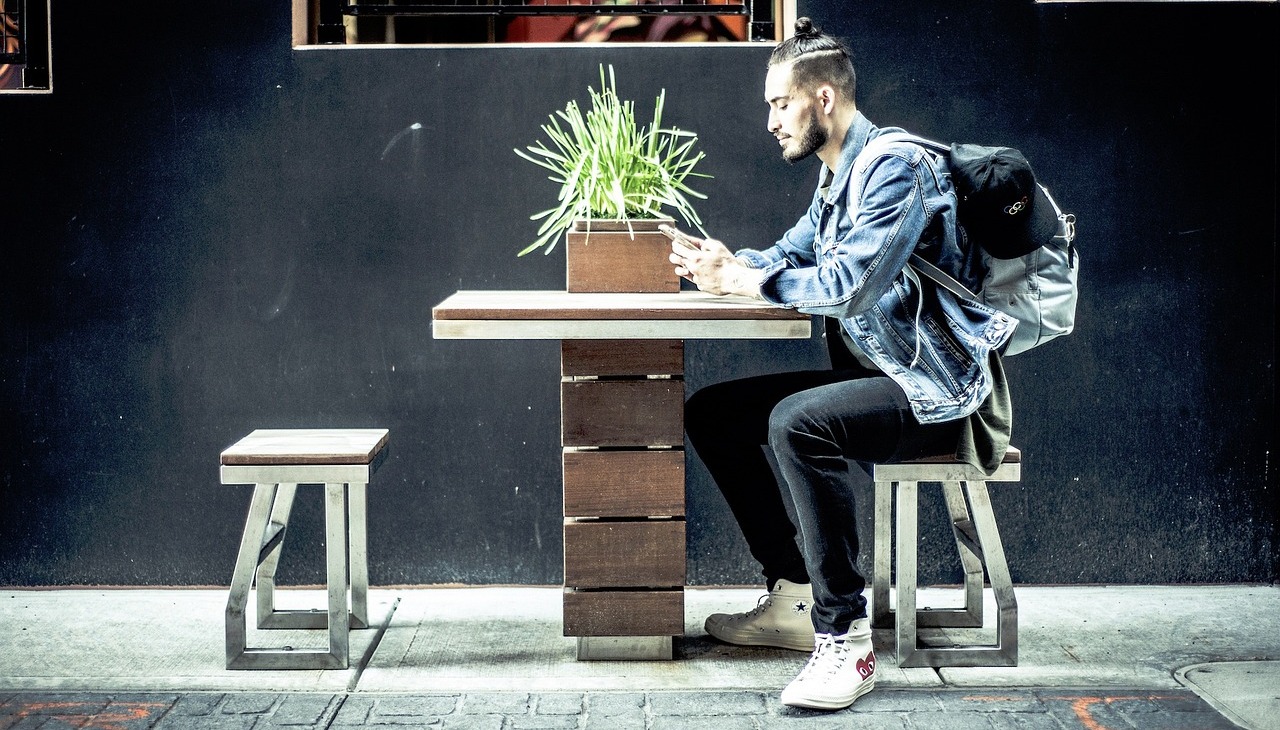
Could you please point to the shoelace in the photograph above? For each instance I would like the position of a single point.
(761, 605)
(828, 656)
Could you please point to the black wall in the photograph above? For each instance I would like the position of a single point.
(207, 232)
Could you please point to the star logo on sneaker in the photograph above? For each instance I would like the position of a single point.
(866, 666)
(799, 607)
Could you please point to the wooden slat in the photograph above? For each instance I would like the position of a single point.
(649, 554)
(621, 357)
(635, 413)
(624, 613)
(322, 446)
(560, 305)
(606, 261)
(624, 483)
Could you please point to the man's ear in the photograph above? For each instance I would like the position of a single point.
(827, 98)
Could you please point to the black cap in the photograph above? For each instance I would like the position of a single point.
(1002, 207)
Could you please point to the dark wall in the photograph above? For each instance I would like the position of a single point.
(207, 232)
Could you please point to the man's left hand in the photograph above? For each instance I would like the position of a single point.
(710, 265)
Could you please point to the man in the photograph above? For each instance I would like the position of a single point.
(915, 371)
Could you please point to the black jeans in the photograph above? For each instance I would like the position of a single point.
(815, 423)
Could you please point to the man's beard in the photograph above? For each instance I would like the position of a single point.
(811, 140)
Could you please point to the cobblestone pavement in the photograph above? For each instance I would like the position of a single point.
(947, 709)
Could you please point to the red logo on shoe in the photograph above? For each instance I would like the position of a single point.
(867, 665)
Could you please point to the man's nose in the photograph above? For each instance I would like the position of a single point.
(773, 124)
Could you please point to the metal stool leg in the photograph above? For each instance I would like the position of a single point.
(882, 575)
(266, 574)
(359, 554)
(260, 546)
(905, 617)
(251, 546)
(1005, 653)
(970, 559)
(335, 518)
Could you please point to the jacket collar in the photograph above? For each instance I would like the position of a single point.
(860, 132)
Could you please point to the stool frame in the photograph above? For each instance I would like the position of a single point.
(346, 549)
(980, 550)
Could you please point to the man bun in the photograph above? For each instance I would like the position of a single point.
(806, 29)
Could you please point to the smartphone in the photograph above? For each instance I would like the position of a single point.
(679, 236)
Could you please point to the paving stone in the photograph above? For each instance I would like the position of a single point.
(560, 703)
(794, 717)
(880, 700)
(542, 722)
(133, 711)
(58, 704)
(195, 704)
(474, 722)
(249, 703)
(719, 722)
(302, 709)
(414, 706)
(948, 721)
(354, 712)
(615, 704)
(637, 722)
(208, 722)
(705, 704)
(1024, 721)
(495, 703)
(990, 701)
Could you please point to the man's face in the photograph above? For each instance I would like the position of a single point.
(793, 116)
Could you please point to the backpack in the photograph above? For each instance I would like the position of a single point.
(1027, 243)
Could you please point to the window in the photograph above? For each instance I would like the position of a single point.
(24, 45)
(344, 22)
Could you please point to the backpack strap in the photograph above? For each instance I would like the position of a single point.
(942, 278)
(938, 276)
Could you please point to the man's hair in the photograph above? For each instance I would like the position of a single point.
(816, 58)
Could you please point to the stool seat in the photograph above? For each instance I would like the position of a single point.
(981, 552)
(276, 461)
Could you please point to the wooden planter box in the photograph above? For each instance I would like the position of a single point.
(611, 258)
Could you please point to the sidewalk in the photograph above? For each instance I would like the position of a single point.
(1113, 658)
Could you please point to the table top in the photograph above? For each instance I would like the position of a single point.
(318, 446)
(565, 315)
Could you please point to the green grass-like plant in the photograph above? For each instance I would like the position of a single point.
(609, 167)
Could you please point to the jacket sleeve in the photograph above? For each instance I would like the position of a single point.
(861, 266)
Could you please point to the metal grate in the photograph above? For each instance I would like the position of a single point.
(759, 13)
(551, 7)
(12, 48)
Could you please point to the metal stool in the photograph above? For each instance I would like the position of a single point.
(978, 542)
(276, 462)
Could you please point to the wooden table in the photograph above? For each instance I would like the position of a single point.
(622, 437)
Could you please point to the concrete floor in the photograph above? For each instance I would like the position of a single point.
(1223, 642)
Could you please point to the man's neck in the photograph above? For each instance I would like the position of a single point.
(841, 123)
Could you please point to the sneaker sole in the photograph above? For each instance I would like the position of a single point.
(778, 641)
(810, 703)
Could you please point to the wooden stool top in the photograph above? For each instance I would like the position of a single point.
(1011, 456)
(321, 446)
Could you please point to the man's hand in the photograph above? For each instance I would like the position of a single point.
(709, 264)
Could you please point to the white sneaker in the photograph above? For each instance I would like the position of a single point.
(842, 669)
(781, 619)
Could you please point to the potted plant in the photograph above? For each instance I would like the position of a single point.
(616, 180)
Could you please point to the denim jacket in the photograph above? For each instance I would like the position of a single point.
(847, 258)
